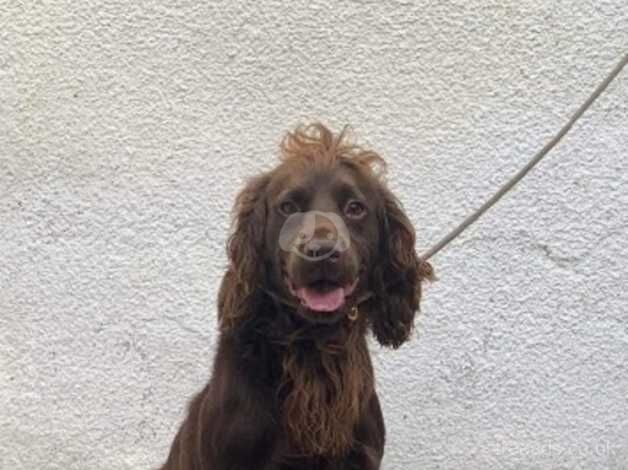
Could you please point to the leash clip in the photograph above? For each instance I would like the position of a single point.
(353, 313)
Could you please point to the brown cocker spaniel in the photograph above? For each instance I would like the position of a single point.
(321, 254)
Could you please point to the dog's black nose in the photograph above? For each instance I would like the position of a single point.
(320, 249)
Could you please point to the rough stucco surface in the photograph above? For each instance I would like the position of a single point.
(127, 129)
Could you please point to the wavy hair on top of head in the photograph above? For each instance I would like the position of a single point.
(316, 144)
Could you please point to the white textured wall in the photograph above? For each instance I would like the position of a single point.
(126, 130)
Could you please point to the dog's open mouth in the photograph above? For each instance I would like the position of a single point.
(323, 295)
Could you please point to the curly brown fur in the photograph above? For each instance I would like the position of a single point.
(326, 397)
(292, 385)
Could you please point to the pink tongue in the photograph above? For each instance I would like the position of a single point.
(322, 301)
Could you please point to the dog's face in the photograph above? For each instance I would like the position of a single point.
(321, 236)
(321, 231)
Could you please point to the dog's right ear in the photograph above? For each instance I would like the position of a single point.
(245, 248)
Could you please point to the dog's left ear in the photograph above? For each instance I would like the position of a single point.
(398, 290)
(240, 285)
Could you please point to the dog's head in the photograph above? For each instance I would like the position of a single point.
(322, 233)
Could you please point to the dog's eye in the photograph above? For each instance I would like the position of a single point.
(288, 208)
(355, 210)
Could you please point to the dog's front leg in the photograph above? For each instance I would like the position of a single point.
(231, 435)
(230, 425)
(369, 450)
